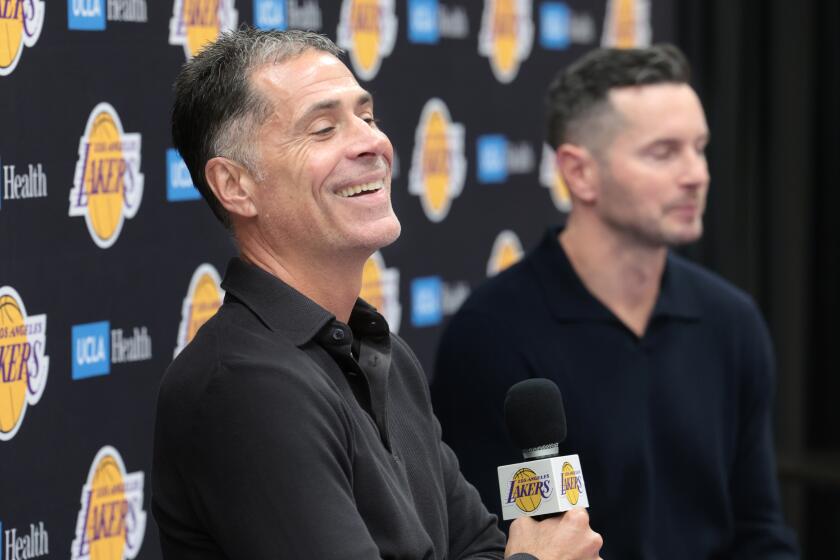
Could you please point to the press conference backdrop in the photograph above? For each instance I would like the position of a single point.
(110, 262)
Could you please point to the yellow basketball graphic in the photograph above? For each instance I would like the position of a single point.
(436, 162)
(560, 192)
(526, 499)
(625, 24)
(201, 19)
(372, 284)
(105, 524)
(105, 176)
(570, 483)
(507, 250)
(364, 21)
(505, 45)
(13, 384)
(11, 33)
(205, 302)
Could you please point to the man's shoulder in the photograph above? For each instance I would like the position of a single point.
(713, 292)
(506, 293)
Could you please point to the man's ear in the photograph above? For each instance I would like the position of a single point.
(579, 169)
(232, 185)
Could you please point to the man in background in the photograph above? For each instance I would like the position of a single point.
(666, 370)
(295, 425)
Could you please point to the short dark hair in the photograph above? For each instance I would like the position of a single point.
(579, 94)
(216, 108)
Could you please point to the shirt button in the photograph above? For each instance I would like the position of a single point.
(338, 335)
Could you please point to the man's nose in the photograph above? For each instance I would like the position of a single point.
(367, 140)
(696, 170)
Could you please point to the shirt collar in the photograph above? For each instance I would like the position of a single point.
(569, 299)
(283, 309)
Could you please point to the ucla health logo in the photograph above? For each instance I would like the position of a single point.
(23, 362)
(21, 22)
(90, 15)
(195, 23)
(438, 164)
(561, 27)
(204, 297)
(627, 24)
(108, 185)
(271, 14)
(95, 346)
(506, 36)
(179, 185)
(32, 183)
(111, 523)
(499, 158)
(368, 30)
(381, 289)
(507, 250)
(429, 21)
(22, 545)
(432, 299)
(551, 178)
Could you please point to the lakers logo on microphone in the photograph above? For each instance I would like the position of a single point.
(195, 23)
(381, 289)
(627, 24)
(23, 361)
(108, 185)
(527, 489)
(572, 483)
(111, 521)
(368, 30)
(506, 36)
(204, 298)
(438, 164)
(21, 22)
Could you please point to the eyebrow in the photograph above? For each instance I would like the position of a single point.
(330, 104)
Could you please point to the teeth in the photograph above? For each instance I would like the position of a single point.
(350, 191)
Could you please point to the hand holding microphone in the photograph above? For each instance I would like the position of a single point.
(544, 485)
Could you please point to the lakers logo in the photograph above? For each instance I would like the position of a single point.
(368, 30)
(204, 298)
(551, 178)
(108, 185)
(23, 362)
(506, 36)
(20, 26)
(111, 522)
(195, 23)
(507, 250)
(380, 288)
(438, 165)
(627, 24)
(527, 489)
(572, 483)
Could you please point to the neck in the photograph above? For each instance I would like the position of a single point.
(331, 281)
(622, 274)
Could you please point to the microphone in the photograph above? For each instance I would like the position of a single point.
(545, 483)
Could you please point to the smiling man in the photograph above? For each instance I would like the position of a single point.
(666, 369)
(295, 425)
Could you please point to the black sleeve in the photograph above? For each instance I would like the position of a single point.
(760, 531)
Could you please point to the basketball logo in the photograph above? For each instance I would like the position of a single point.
(21, 22)
(551, 178)
(195, 23)
(111, 521)
(23, 362)
(368, 30)
(507, 250)
(524, 490)
(571, 483)
(627, 24)
(381, 288)
(204, 298)
(108, 185)
(438, 165)
(506, 36)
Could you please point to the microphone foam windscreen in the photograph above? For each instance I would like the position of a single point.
(534, 413)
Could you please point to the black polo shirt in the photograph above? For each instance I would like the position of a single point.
(283, 433)
(673, 428)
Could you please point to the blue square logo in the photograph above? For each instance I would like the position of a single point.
(91, 351)
(492, 158)
(271, 14)
(86, 15)
(423, 21)
(179, 185)
(426, 301)
(555, 21)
